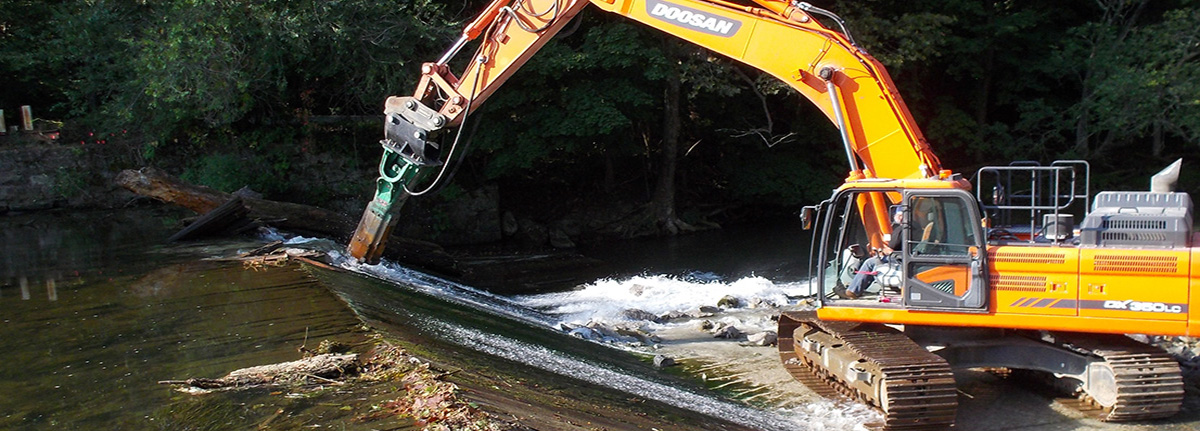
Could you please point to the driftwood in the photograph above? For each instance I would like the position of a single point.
(280, 257)
(301, 219)
(227, 219)
(423, 396)
(316, 369)
(264, 250)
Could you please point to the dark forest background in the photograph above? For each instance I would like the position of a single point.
(286, 96)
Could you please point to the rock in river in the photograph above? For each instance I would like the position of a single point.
(765, 338)
(673, 315)
(636, 314)
(663, 361)
(585, 333)
(729, 332)
(707, 311)
(729, 301)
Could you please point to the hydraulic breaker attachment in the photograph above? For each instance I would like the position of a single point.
(407, 152)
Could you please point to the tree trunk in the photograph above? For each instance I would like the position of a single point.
(226, 220)
(318, 369)
(662, 205)
(302, 219)
(1081, 132)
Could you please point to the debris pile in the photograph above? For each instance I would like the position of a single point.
(428, 400)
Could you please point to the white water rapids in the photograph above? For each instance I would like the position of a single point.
(755, 390)
(607, 300)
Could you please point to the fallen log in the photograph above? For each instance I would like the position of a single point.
(316, 369)
(423, 397)
(301, 219)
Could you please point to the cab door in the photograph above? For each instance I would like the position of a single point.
(944, 252)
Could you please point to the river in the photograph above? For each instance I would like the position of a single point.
(96, 310)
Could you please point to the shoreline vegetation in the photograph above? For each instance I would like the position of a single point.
(605, 123)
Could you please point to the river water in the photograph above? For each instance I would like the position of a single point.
(95, 310)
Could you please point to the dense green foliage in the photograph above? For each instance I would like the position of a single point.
(226, 89)
(1111, 81)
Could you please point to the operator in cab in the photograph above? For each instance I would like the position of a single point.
(869, 269)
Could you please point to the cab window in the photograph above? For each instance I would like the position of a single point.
(940, 226)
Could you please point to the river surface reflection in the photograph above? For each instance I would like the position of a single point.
(94, 310)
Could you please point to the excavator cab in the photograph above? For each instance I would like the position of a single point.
(940, 264)
(944, 253)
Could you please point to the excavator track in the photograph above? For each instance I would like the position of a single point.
(1131, 381)
(872, 363)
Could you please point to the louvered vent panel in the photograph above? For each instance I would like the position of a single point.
(1135, 224)
(1019, 283)
(1133, 236)
(1119, 263)
(1027, 257)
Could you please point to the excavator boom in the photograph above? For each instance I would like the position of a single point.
(780, 38)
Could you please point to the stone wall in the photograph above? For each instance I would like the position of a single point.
(42, 175)
(38, 175)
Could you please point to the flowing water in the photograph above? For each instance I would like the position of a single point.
(526, 330)
(95, 310)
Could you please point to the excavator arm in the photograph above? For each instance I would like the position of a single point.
(512, 32)
(781, 38)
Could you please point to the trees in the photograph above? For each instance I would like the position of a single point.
(1110, 81)
(216, 83)
(1139, 79)
(650, 114)
(219, 83)
(176, 67)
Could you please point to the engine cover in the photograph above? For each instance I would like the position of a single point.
(1139, 219)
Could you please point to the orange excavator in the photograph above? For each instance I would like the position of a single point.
(989, 272)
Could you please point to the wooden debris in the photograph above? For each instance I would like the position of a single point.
(281, 258)
(273, 254)
(297, 218)
(300, 219)
(427, 399)
(227, 219)
(316, 369)
(264, 250)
